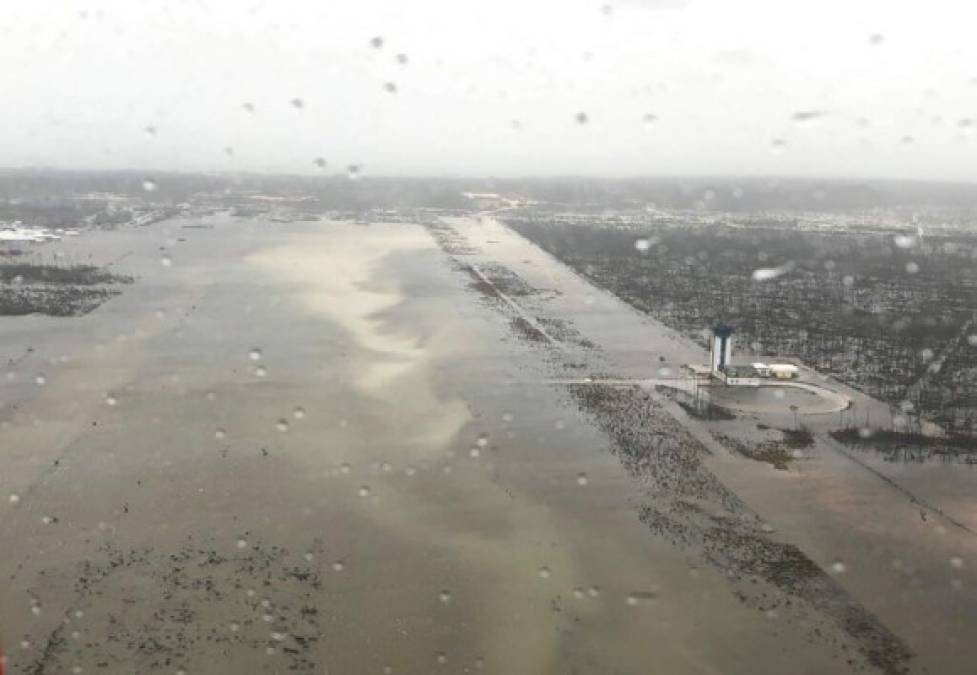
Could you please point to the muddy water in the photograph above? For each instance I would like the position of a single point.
(856, 518)
(312, 448)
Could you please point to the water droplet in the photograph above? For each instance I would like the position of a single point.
(972, 340)
(876, 39)
(376, 42)
(338, 566)
(36, 610)
(778, 145)
(234, 627)
(151, 131)
(270, 651)
(515, 125)
(444, 596)
(242, 543)
(593, 591)
(260, 371)
(166, 261)
(956, 562)
(219, 434)
(544, 572)
(606, 10)
(474, 453)
(149, 185)
(479, 663)
(906, 141)
(281, 425)
(807, 117)
(768, 273)
(299, 413)
(40, 380)
(442, 658)
(14, 499)
(640, 597)
(642, 244)
(345, 468)
(267, 618)
(838, 567)
(649, 120)
(364, 491)
(353, 171)
(110, 400)
(248, 107)
(904, 240)
(297, 103)
(277, 637)
(319, 162)
(47, 520)
(508, 417)
(390, 87)
(581, 118)
(912, 267)
(402, 59)
(579, 593)
(582, 479)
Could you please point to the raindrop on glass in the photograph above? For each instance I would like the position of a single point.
(582, 479)
(149, 185)
(581, 118)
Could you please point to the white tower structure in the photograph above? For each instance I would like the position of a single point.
(722, 348)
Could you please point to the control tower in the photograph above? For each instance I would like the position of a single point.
(722, 348)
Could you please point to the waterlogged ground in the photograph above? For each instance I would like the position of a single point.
(337, 448)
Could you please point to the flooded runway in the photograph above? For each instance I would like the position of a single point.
(321, 448)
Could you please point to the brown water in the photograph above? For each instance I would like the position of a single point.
(312, 448)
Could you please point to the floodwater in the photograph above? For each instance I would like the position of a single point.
(313, 448)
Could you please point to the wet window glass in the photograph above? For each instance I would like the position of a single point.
(592, 337)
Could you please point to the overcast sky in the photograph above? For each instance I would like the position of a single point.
(830, 88)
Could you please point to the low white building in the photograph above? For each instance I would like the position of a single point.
(784, 371)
